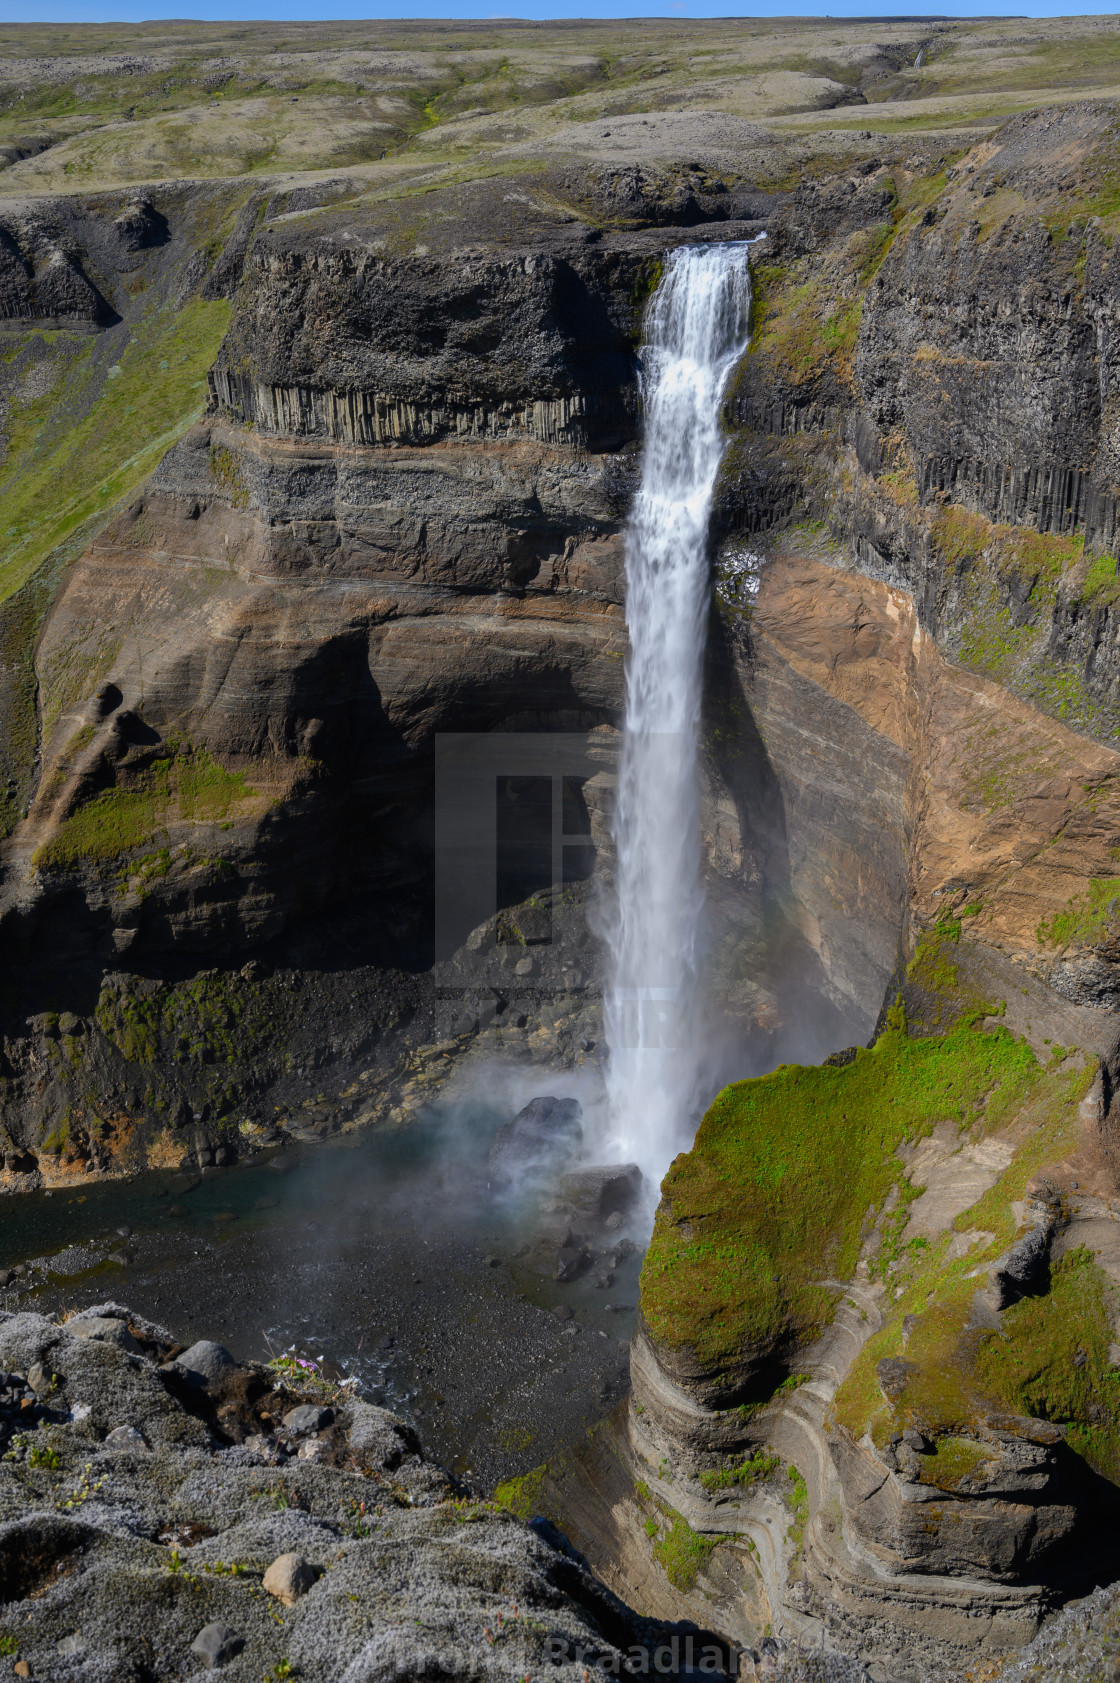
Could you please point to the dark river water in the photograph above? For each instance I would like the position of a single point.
(383, 1254)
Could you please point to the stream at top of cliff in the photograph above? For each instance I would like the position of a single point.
(382, 1254)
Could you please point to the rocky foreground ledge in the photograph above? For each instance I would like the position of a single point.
(170, 1514)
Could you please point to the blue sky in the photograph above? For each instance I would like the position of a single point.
(132, 11)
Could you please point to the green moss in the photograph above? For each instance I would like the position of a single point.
(798, 1500)
(59, 472)
(226, 469)
(190, 784)
(522, 1496)
(646, 282)
(1100, 588)
(681, 1552)
(772, 1199)
(932, 966)
(958, 535)
(759, 1466)
(1086, 918)
(953, 1459)
(1050, 1359)
(959, 1376)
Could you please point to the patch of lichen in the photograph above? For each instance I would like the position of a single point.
(774, 1196)
(1048, 1359)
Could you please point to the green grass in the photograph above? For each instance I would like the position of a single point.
(189, 784)
(952, 1460)
(772, 1198)
(758, 1467)
(681, 1552)
(1050, 1360)
(59, 473)
(1086, 918)
(1100, 587)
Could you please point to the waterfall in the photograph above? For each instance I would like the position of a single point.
(696, 332)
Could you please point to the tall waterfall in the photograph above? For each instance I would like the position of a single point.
(696, 332)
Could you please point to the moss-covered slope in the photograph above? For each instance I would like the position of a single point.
(768, 1211)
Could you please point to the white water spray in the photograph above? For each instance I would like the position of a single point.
(696, 332)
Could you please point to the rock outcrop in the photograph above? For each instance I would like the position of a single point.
(149, 1512)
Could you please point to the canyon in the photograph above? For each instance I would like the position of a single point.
(383, 430)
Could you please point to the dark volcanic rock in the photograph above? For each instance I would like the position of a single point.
(538, 1141)
(602, 1189)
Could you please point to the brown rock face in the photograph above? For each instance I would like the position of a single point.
(942, 789)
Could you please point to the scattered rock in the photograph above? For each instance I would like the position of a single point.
(602, 1190)
(563, 1313)
(288, 1578)
(125, 1437)
(571, 1260)
(217, 1644)
(309, 1417)
(893, 1375)
(492, 1261)
(1021, 1267)
(314, 1449)
(105, 1329)
(40, 1379)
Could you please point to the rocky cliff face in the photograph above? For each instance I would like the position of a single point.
(937, 636)
(401, 517)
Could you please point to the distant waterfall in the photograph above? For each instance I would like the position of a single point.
(696, 332)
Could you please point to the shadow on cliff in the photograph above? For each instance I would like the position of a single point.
(769, 987)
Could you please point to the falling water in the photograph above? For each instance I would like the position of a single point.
(696, 332)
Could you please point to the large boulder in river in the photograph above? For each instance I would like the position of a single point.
(540, 1140)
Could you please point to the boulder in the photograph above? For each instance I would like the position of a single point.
(204, 1361)
(217, 1644)
(309, 1417)
(289, 1577)
(125, 1437)
(541, 1138)
(105, 1329)
(601, 1190)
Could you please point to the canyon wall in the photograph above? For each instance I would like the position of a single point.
(400, 517)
